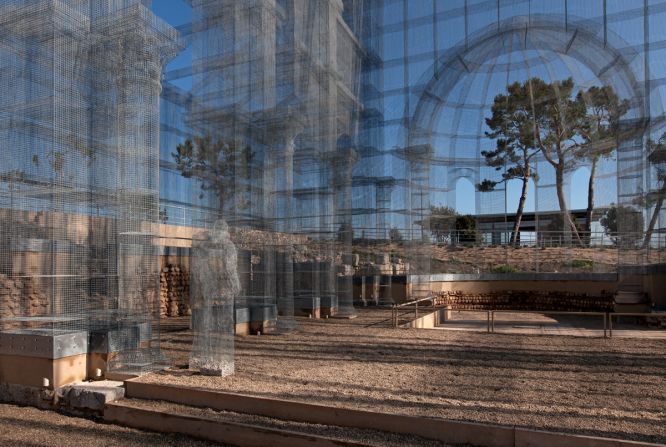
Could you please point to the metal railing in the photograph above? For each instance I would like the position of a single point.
(395, 309)
(606, 317)
(631, 314)
(491, 316)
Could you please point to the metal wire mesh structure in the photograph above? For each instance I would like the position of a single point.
(407, 86)
(333, 136)
(80, 171)
(431, 74)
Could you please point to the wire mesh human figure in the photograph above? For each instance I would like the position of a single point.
(214, 286)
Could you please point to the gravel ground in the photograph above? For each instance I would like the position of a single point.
(368, 437)
(604, 387)
(30, 427)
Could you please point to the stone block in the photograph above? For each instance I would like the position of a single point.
(92, 395)
(43, 343)
(308, 305)
(329, 305)
(242, 315)
(263, 312)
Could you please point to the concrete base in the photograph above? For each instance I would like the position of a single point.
(223, 432)
(87, 398)
(328, 311)
(429, 320)
(242, 320)
(307, 306)
(30, 371)
(91, 396)
(345, 316)
(243, 328)
(26, 395)
(263, 318)
(452, 432)
(265, 327)
(631, 308)
(97, 360)
(312, 313)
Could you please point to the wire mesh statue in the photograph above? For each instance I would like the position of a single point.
(214, 286)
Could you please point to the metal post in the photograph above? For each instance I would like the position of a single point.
(605, 316)
(492, 321)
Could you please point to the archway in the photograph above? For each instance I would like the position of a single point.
(540, 42)
(465, 196)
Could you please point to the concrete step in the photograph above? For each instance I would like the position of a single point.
(247, 429)
(90, 397)
(239, 419)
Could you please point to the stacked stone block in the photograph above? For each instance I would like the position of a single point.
(174, 291)
(21, 297)
(527, 300)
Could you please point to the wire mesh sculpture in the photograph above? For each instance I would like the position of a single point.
(214, 287)
(338, 129)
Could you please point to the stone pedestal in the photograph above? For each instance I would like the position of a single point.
(29, 356)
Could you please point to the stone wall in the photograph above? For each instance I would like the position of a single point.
(174, 291)
(19, 297)
(527, 300)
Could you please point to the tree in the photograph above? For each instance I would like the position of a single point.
(442, 221)
(512, 125)
(599, 130)
(631, 216)
(657, 157)
(345, 232)
(220, 166)
(557, 119)
(395, 236)
(466, 228)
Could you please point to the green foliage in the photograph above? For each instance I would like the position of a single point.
(220, 166)
(536, 117)
(442, 221)
(466, 228)
(57, 159)
(585, 264)
(395, 236)
(511, 124)
(505, 268)
(345, 232)
(617, 218)
(655, 197)
(657, 158)
(599, 127)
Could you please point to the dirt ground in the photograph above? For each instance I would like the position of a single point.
(604, 387)
(30, 427)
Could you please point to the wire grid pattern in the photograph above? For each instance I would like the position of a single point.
(407, 86)
(359, 117)
(80, 167)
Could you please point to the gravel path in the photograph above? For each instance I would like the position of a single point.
(603, 387)
(30, 427)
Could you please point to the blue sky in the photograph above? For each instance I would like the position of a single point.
(177, 12)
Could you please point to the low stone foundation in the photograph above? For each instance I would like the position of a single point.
(526, 300)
